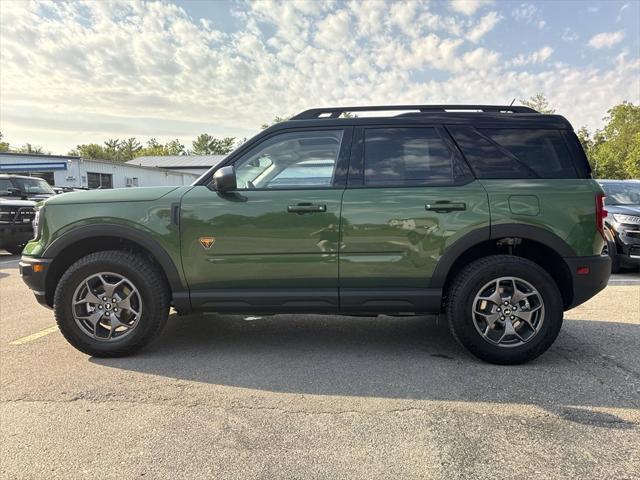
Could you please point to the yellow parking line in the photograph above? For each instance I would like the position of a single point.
(34, 336)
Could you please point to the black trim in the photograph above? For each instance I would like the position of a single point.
(390, 300)
(336, 112)
(529, 232)
(495, 232)
(297, 300)
(586, 286)
(128, 233)
(454, 251)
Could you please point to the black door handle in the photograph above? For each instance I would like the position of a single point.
(442, 207)
(306, 208)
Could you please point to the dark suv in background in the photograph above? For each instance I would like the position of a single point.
(622, 225)
(486, 213)
(18, 196)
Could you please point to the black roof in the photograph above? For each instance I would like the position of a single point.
(477, 115)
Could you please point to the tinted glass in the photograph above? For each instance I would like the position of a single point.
(486, 158)
(544, 151)
(33, 185)
(621, 193)
(291, 160)
(5, 185)
(406, 157)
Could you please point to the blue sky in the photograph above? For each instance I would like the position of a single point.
(80, 72)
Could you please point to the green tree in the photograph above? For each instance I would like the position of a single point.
(129, 149)
(174, 147)
(205, 144)
(539, 103)
(90, 150)
(33, 149)
(4, 146)
(616, 148)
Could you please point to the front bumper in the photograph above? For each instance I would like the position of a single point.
(590, 275)
(34, 273)
(15, 234)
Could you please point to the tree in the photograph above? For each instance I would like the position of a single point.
(128, 149)
(29, 148)
(4, 146)
(205, 144)
(539, 103)
(616, 148)
(174, 147)
(90, 150)
(276, 119)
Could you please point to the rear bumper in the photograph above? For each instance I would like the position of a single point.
(587, 285)
(34, 273)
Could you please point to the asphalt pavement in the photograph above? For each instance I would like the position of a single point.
(310, 396)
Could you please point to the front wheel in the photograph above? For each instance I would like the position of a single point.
(504, 309)
(111, 303)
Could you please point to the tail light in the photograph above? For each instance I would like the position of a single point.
(601, 213)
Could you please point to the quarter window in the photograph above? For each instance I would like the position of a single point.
(291, 160)
(406, 157)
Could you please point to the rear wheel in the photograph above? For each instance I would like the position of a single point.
(505, 309)
(111, 303)
(610, 250)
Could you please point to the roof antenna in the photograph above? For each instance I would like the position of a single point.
(511, 104)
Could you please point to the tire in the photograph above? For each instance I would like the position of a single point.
(142, 285)
(544, 308)
(610, 249)
(15, 249)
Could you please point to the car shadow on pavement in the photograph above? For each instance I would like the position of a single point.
(402, 358)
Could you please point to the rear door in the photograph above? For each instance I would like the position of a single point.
(409, 197)
(273, 243)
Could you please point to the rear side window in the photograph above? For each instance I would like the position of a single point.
(544, 151)
(406, 157)
(515, 152)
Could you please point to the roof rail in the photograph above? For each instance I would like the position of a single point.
(335, 112)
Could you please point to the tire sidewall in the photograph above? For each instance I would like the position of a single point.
(469, 336)
(151, 310)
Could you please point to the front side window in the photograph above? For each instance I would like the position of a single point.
(406, 157)
(291, 160)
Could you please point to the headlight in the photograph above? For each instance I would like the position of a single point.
(36, 222)
(620, 218)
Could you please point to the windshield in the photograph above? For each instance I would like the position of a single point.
(32, 186)
(621, 193)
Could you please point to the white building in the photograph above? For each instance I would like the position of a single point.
(65, 171)
(182, 163)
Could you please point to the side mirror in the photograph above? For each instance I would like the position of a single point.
(225, 179)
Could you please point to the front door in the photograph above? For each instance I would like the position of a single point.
(273, 243)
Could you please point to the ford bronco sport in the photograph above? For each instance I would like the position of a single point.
(486, 213)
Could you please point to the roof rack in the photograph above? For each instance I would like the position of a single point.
(335, 112)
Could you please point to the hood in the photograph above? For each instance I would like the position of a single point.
(16, 202)
(623, 209)
(137, 194)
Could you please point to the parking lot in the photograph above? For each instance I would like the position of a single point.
(319, 397)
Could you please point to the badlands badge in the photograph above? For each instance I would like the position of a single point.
(207, 242)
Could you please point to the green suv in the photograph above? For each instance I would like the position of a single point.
(486, 213)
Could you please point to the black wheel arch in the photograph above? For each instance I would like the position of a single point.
(122, 234)
(535, 243)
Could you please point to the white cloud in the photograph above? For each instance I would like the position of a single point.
(468, 7)
(606, 39)
(537, 57)
(484, 26)
(82, 72)
(568, 35)
(525, 11)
